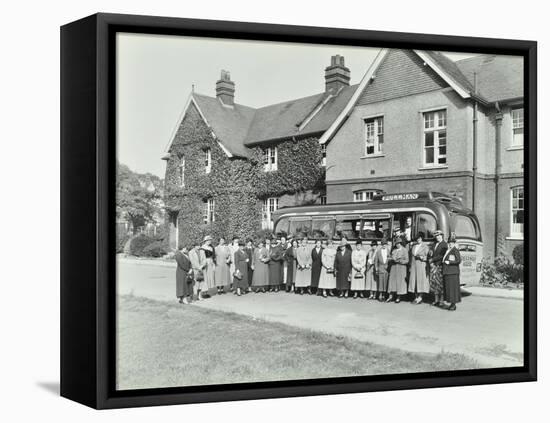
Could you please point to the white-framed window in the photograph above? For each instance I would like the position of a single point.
(517, 127)
(270, 159)
(323, 199)
(323, 154)
(181, 171)
(374, 136)
(269, 206)
(208, 213)
(517, 212)
(208, 160)
(435, 138)
(365, 195)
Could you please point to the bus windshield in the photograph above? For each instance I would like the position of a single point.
(465, 227)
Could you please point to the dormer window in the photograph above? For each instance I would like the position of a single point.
(270, 159)
(208, 160)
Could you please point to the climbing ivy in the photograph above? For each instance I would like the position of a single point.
(238, 185)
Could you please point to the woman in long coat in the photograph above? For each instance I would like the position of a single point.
(359, 264)
(222, 273)
(208, 254)
(342, 267)
(197, 264)
(436, 261)
(451, 275)
(275, 267)
(184, 276)
(418, 275)
(303, 269)
(316, 264)
(259, 266)
(371, 274)
(327, 281)
(397, 284)
(290, 259)
(381, 268)
(241, 268)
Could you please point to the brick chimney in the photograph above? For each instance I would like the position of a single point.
(336, 75)
(225, 89)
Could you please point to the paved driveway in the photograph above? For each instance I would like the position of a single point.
(487, 329)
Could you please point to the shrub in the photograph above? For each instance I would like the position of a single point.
(121, 240)
(154, 249)
(517, 254)
(138, 243)
(501, 272)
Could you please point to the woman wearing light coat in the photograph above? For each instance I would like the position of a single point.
(419, 283)
(327, 280)
(303, 268)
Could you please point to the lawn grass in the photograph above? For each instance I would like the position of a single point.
(161, 344)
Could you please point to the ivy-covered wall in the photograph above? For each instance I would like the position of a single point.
(237, 185)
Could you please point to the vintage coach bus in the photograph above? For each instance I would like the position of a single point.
(384, 216)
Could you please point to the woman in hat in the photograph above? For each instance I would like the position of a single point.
(451, 274)
(184, 276)
(327, 281)
(418, 276)
(397, 283)
(343, 267)
(370, 275)
(260, 276)
(381, 268)
(359, 264)
(240, 277)
(436, 260)
(289, 257)
(209, 256)
(222, 273)
(303, 270)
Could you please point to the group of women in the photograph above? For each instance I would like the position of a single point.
(385, 272)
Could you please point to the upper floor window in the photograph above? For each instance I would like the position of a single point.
(270, 159)
(208, 160)
(517, 212)
(365, 195)
(208, 213)
(268, 207)
(181, 169)
(323, 154)
(323, 199)
(374, 136)
(517, 127)
(435, 138)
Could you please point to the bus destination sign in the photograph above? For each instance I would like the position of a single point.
(405, 196)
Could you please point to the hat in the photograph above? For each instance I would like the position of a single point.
(207, 238)
(438, 232)
(398, 240)
(373, 243)
(384, 240)
(419, 235)
(452, 238)
(358, 242)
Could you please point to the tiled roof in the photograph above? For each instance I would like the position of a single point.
(499, 78)
(451, 69)
(241, 126)
(230, 124)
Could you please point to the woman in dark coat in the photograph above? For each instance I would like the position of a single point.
(290, 259)
(316, 266)
(275, 267)
(436, 275)
(342, 268)
(397, 283)
(451, 275)
(184, 276)
(240, 277)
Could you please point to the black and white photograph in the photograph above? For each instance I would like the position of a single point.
(289, 211)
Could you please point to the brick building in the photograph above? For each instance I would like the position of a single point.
(228, 166)
(419, 121)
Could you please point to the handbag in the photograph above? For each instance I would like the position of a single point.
(200, 276)
(358, 275)
(237, 274)
(330, 271)
(189, 279)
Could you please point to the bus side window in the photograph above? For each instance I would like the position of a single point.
(322, 228)
(348, 227)
(281, 229)
(300, 227)
(376, 229)
(426, 224)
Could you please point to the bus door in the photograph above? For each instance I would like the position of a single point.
(468, 236)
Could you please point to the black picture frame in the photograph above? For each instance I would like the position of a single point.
(87, 210)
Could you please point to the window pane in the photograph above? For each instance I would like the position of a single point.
(429, 155)
(429, 120)
(442, 137)
(426, 224)
(282, 227)
(376, 229)
(300, 228)
(380, 123)
(348, 227)
(429, 139)
(322, 228)
(464, 227)
(442, 118)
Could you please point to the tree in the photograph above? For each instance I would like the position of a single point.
(138, 197)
